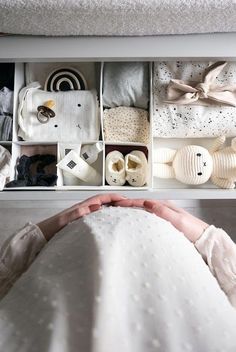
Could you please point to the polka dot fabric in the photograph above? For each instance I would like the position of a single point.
(126, 124)
(117, 280)
(180, 121)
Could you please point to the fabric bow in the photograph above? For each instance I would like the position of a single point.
(205, 93)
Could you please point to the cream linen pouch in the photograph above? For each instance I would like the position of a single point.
(76, 119)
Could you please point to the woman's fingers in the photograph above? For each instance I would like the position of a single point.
(129, 203)
(141, 204)
(163, 211)
(167, 203)
(101, 199)
(82, 211)
(191, 226)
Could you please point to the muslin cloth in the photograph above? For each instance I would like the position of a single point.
(76, 120)
(202, 120)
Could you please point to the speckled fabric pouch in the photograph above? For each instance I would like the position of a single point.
(189, 121)
(126, 124)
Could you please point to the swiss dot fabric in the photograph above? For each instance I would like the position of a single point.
(182, 121)
(117, 280)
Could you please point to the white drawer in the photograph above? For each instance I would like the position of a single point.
(155, 188)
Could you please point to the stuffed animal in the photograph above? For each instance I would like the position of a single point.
(195, 165)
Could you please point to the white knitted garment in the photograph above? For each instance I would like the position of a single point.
(116, 17)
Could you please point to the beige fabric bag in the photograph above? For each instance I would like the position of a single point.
(126, 124)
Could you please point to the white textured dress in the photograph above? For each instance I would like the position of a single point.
(118, 280)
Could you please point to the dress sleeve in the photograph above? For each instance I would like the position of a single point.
(17, 255)
(219, 252)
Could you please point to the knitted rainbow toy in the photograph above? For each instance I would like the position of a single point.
(195, 165)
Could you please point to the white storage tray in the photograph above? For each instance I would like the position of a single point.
(155, 187)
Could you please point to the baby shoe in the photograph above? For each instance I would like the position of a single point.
(136, 167)
(115, 168)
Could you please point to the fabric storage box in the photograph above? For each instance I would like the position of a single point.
(120, 144)
(125, 149)
(176, 144)
(190, 121)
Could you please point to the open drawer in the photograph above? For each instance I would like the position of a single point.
(162, 188)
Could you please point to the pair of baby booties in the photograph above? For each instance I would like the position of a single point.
(132, 168)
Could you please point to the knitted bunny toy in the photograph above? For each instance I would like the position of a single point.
(195, 165)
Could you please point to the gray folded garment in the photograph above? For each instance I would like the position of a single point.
(5, 127)
(6, 100)
(126, 84)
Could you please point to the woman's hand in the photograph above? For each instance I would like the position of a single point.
(191, 226)
(52, 225)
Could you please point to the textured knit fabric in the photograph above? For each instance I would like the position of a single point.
(126, 84)
(122, 280)
(76, 116)
(117, 17)
(180, 121)
(124, 124)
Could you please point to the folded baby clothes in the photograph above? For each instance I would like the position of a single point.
(126, 84)
(5, 160)
(126, 124)
(6, 101)
(74, 117)
(194, 99)
(5, 127)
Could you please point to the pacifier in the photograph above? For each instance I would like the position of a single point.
(45, 112)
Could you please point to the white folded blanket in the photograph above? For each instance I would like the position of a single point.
(117, 17)
(190, 121)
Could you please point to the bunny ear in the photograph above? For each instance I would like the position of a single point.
(163, 155)
(233, 144)
(217, 144)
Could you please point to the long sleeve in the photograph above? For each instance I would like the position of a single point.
(17, 255)
(219, 252)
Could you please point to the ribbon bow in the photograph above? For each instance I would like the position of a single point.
(205, 93)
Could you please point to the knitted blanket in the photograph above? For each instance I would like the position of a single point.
(117, 17)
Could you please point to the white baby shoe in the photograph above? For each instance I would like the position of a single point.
(136, 167)
(115, 168)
